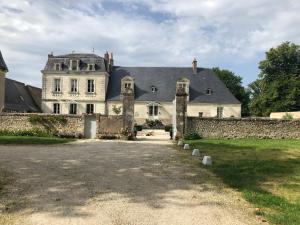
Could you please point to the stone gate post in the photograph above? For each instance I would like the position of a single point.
(128, 111)
(181, 112)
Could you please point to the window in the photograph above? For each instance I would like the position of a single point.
(91, 67)
(89, 108)
(74, 85)
(127, 85)
(154, 89)
(208, 91)
(220, 112)
(57, 66)
(73, 109)
(74, 64)
(200, 114)
(153, 110)
(91, 86)
(56, 85)
(56, 108)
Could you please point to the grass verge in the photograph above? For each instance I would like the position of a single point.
(267, 172)
(29, 140)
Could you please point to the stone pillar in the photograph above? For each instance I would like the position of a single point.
(128, 112)
(181, 112)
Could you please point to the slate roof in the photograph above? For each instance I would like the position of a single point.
(165, 79)
(21, 98)
(85, 59)
(2, 63)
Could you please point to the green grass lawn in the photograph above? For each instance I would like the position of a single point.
(266, 172)
(29, 140)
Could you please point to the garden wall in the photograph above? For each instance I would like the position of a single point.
(64, 125)
(109, 126)
(244, 128)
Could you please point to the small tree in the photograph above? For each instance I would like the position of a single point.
(117, 109)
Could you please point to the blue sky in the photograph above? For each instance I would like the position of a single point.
(230, 34)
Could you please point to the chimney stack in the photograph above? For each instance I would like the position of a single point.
(194, 65)
(3, 71)
(111, 61)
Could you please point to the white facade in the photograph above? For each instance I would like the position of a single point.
(65, 96)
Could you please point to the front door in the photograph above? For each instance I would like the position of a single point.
(90, 126)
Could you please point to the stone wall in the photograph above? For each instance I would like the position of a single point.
(244, 128)
(109, 126)
(73, 126)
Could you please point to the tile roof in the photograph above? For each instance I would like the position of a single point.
(165, 79)
(21, 98)
(2, 63)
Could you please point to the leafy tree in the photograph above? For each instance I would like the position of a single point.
(234, 83)
(278, 86)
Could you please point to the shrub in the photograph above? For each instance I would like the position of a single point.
(154, 123)
(117, 109)
(168, 128)
(32, 132)
(138, 127)
(192, 136)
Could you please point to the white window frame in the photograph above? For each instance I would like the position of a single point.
(74, 89)
(89, 107)
(208, 91)
(57, 85)
(90, 88)
(59, 66)
(92, 67)
(153, 110)
(56, 108)
(73, 108)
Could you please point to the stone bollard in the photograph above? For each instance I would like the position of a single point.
(207, 161)
(186, 147)
(180, 143)
(196, 152)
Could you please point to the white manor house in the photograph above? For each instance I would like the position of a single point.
(88, 83)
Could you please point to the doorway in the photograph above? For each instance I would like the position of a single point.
(90, 127)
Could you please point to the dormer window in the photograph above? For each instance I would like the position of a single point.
(57, 66)
(208, 91)
(153, 89)
(127, 83)
(74, 65)
(91, 67)
(184, 84)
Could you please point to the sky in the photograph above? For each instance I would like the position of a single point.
(229, 34)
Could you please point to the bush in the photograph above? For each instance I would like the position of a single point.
(168, 128)
(138, 127)
(32, 132)
(154, 123)
(192, 136)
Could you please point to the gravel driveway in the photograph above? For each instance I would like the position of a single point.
(116, 183)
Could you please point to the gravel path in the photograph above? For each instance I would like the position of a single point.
(116, 183)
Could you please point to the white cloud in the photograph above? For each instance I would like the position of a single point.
(217, 32)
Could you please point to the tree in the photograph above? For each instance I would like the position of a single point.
(278, 86)
(234, 83)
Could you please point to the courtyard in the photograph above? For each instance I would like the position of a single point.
(114, 182)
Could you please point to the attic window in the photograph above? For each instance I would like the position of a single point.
(91, 67)
(208, 91)
(74, 64)
(57, 66)
(154, 89)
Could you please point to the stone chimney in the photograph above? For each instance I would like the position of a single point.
(3, 70)
(194, 65)
(106, 59)
(111, 61)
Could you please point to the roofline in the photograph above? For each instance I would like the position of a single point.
(165, 67)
